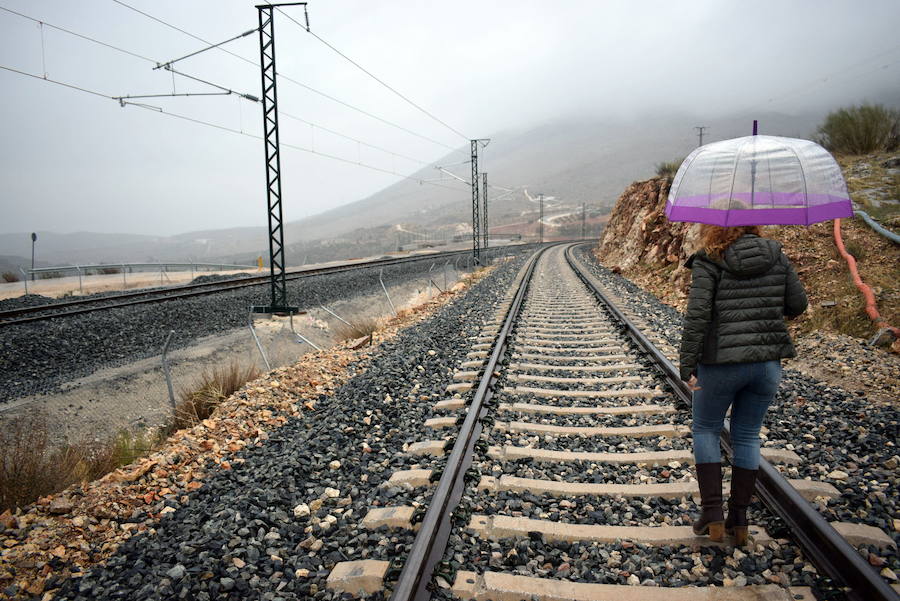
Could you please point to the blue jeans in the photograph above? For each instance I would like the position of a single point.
(748, 388)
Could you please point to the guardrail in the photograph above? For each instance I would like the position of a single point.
(137, 267)
(124, 269)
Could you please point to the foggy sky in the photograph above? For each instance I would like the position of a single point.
(76, 162)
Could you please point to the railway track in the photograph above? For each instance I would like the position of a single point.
(569, 473)
(183, 291)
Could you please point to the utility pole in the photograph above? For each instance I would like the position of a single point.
(476, 209)
(541, 218)
(484, 204)
(582, 221)
(278, 302)
(33, 240)
(700, 129)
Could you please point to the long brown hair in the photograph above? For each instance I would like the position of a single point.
(715, 239)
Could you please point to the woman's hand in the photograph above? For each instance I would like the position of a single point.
(692, 383)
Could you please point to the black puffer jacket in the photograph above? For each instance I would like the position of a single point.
(737, 305)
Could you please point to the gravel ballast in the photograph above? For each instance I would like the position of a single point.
(841, 438)
(246, 535)
(38, 357)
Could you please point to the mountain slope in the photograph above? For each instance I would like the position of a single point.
(576, 160)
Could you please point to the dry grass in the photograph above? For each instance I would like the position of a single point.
(668, 168)
(9, 276)
(362, 326)
(214, 386)
(32, 467)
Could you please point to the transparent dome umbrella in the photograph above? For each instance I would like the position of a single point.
(759, 180)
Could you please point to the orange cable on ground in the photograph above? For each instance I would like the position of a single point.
(871, 307)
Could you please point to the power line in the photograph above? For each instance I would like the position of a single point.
(167, 66)
(825, 78)
(294, 81)
(79, 35)
(228, 129)
(225, 90)
(60, 83)
(373, 76)
(351, 138)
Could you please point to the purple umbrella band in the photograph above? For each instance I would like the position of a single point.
(759, 180)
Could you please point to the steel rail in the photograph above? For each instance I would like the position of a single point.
(182, 291)
(431, 540)
(827, 550)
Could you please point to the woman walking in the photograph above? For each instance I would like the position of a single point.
(742, 288)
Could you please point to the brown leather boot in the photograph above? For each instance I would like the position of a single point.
(743, 483)
(711, 520)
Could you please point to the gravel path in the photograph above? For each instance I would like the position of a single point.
(273, 526)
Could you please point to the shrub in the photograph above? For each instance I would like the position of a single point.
(213, 387)
(109, 270)
(668, 169)
(9, 276)
(50, 275)
(860, 129)
(363, 326)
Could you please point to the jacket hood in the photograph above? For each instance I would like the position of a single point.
(748, 256)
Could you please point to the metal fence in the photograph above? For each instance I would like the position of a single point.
(141, 395)
(163, 269)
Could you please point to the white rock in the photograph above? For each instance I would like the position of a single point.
(301, 510)
(838, 475)
(335, 465)
(633, 580)
(332, 493)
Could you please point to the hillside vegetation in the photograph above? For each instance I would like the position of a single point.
(649, 249)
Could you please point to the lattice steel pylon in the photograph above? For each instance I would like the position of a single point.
(484, 212)
(541, 217)
(476, 209)
(278, 303)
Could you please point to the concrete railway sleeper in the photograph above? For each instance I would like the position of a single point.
(569, 475)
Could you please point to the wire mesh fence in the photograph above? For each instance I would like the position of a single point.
(128, 394)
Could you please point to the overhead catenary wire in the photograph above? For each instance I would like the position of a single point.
(134, 55)
(294, 81)
(160, 110)
(224, 90)
(823, 79)
(79, 35)
(373, 76)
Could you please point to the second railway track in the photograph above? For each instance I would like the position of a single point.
(569, 475)
(103, 302)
